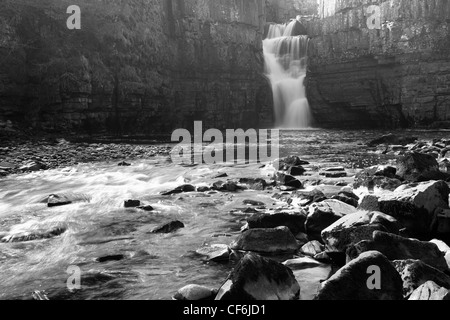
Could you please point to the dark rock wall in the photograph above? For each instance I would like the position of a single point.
(398, 75)
(136, 66)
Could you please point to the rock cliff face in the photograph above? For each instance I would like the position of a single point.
(137, 66)
(394, 74)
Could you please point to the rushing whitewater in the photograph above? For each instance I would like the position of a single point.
(285, 55)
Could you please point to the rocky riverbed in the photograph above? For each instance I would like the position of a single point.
(309, 226)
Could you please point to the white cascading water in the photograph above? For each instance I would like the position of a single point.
(285, 56)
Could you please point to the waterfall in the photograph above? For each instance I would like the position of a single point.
(285, 54)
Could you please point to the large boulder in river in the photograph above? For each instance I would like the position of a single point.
(268, 241)
(418, 167)
(258, 278)
(357, 227)
(295, 222)
(415, 273)
(430, 291)
(351, 282)
(395, 247)
(415, 205)
(323, 214)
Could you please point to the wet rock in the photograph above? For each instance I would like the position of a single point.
(369, 203)
(351, 282)
(180, 189)
(357, 227)
(347, 200)
(289, 162)
(221, 175)
(229, 186)
(335, 172)
(116, 257)
(195, 292)
(415, 273)
(312, 248)
(415, 205)
(254, 183)
(33, 166)
(288, 181)
(323, 214)
(254, 203)
(324, 258)
(203, 189)
(296, 171)
(295, 222)
(269, 241)
(169, 227)
(309, 197)
(419, 167)
(62, 199)
(430, 291)
(383, 177)
(302, 263)
(258, 278)
(124, 164)
(34, 235)
(145, 208)
(215, 252)
(132, 203)
(6, 166)
(395, 247)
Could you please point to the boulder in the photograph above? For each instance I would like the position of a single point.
(180, 189)
(258, 278)
(146, 208)
(312, 248)
(357, 227)
(430, 291)
(415, 205)
(295, 222)
(419, 167)
(168, 227)
(302, 263)
(323, 214)
(415, 273)
(194, 292)
(269, 241)
(124, 164)
(62, 199)
(296, 171)
(305, 198)
(288, 181)
(215, 252)
(383, 177)
(395, 247)
(34, 234)
(369, 203)
(289, 162)
(347, 200)
(33, 166)
(254, 183)
(132, 203)
(229, 186)
(351, 281)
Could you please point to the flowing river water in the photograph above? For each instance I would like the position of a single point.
(149, 266)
